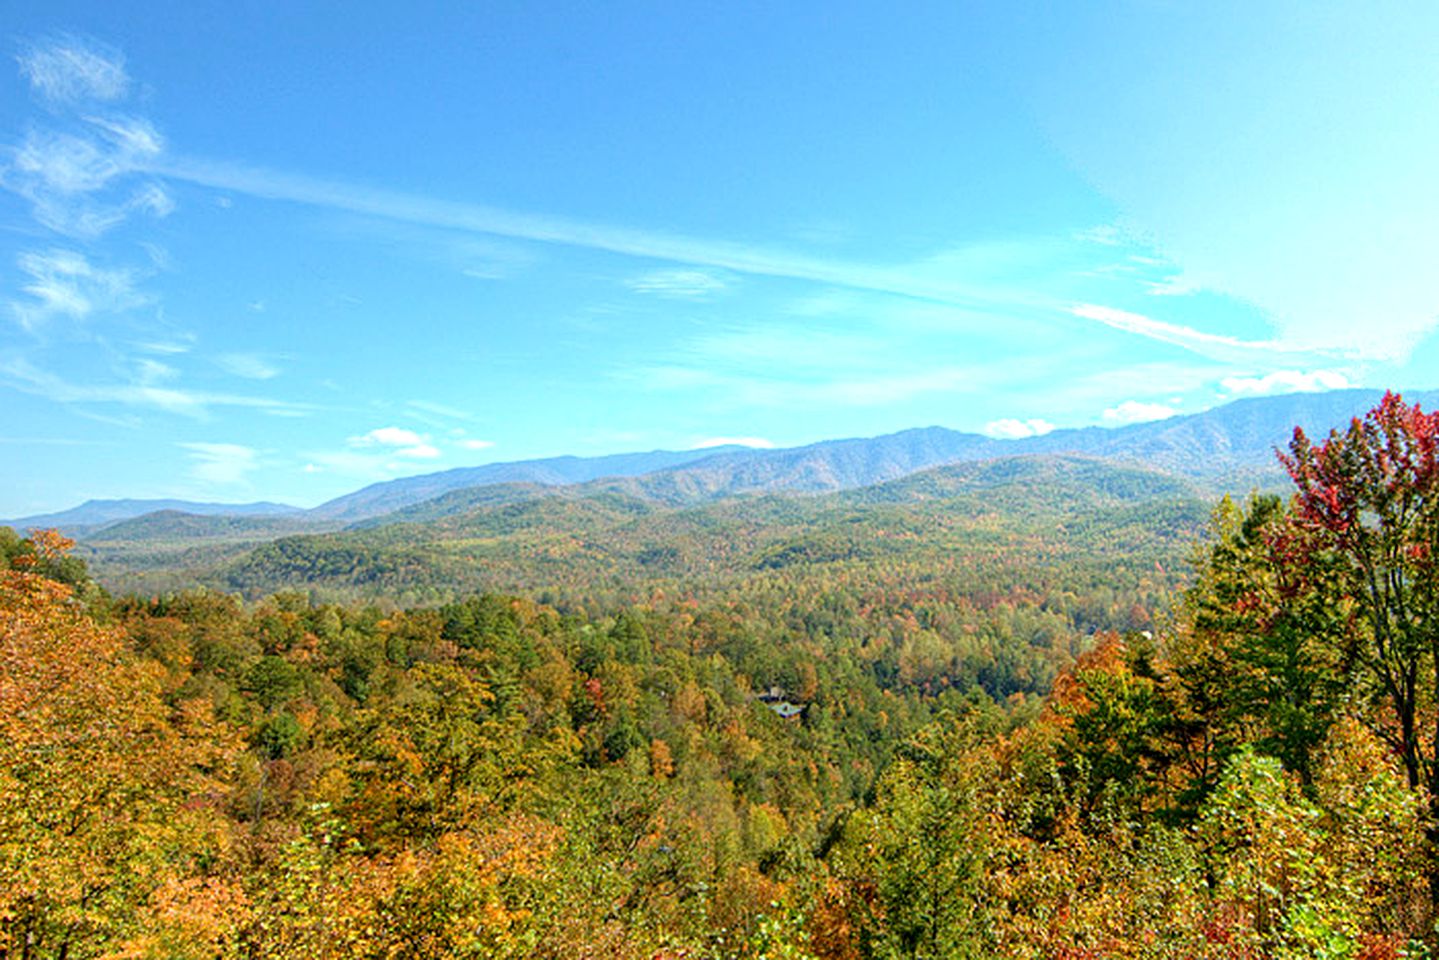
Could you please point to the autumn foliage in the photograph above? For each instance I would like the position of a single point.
(1253, 776)
(103, 784)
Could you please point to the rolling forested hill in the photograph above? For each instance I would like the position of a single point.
(609, 537)
(94, 515)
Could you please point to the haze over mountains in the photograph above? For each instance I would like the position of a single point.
(1229, 447)
(1229, 444)
(94, 514)
(381, 498)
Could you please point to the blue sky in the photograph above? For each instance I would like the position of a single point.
(278, 251)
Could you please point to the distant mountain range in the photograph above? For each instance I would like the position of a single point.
(94, 514)
(1227, 448)
(382, 498)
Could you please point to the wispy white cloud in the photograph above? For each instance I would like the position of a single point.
(463, 251)
(403, 443)
(148, 371)
(441, 409)
(364, 464)
(62, 163)
(1014, 429)
(987, 278)
(221, 464)
(143, 390)
(74, 70)
(78, 172)
(251, 366)
(678, 284)
(134, 138)
(63, 283)
(1160, 330)
(151, 198)
(758, 443)
(931, 282)
(1200, 341)
(387, 436)
(1286, 381)
(1137, 411)
(476, 444)
(851, 349)
(76, 180)
(183, 343)
(159, 256)
(824, 232)
(1173, 285)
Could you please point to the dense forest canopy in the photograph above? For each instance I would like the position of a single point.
(965, 724)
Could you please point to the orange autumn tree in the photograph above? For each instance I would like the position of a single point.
(95, 770)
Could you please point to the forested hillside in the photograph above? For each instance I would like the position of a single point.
(600, 543)
(986, 710)
(1231, 446)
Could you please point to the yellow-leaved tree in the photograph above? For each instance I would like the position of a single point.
(101, 790)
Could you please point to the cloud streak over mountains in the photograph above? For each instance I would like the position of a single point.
(648, 244)
(1213, 345)
(104, 167)
(1008, 301)
(141, 390)
(286, 280)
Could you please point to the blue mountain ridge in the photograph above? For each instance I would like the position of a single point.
(1232, 443)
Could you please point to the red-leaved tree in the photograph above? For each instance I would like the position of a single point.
(1365, 531)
